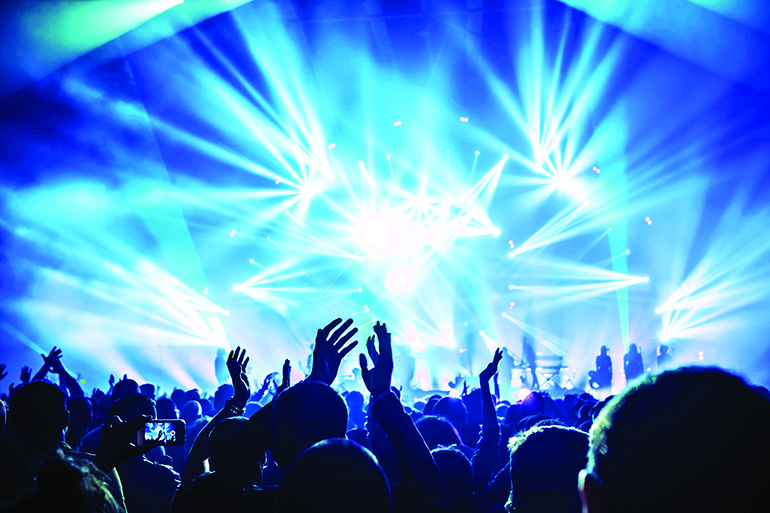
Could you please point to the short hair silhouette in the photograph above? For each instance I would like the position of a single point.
(438, 431)
(304, 414)
(545, 464)
(334, 475)
(39, 412)
(453, 409)
(691, 439)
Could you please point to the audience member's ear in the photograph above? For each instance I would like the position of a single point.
(589, 492)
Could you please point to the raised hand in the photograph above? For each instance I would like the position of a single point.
(285, 377)
(26, 374)
(112, 381)
(236, 365)
(3, 372)
(378, 378)
(491, 369)
(52, 360)
(330, 349)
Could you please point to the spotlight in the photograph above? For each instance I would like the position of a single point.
(387, 157)
(360, 163)
(505, 157)
(232, 233)
(495, 232)
(627, 252)
(610, 229)
(360, 289)
(510, 287)
(397, 123)
(646, 279)
(510, 254)
(287, 213)
(477, 152)
(236, 288)
(251, 260)
(657, 310)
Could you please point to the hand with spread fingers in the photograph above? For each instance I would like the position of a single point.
(236, 365)
(330, 349)
(26, 374)
(491, 369)
(378, 378)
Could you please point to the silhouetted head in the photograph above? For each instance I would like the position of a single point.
(221, 447)
(133, 405)
(603, 350)
(39, 413)
(692, 439)
(334, 475)
(148, 389)
(545, 463)
(513, 416)
(191, 412)
(432, 400)
(223, 393)
(533, 404)
(221, 353)
(662, 349)
(178, 397)
(632, 349)
(304, 414)
(438, 431)
(455, 469)
(166, 408)
(354, 400)
(81, 411)
(124, 387)
(453, 409)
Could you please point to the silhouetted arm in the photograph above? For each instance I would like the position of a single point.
(199, 452)
(485, 455)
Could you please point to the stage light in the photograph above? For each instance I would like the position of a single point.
(360, 163)
(232, 233)
(268, 237)
(330, 146)
(628, 252)
(454, 393)
(510, 287)
(658, 310)
(399, 280)
(251, 260)
(397, 123)
(505, 157)
(375, 234)
(360, 289)
(700, 355)
(610, 229)
(646, 279)
(511, 253)
(226, 312)
(236, 288)
(387, 157)
(477, 152)
(287, 213)
(523, 393)
(205, 291)
(495, 232)
(649, 221)
(511, 305)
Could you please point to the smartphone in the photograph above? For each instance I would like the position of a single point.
(161, 432)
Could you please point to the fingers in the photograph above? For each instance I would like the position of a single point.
(341, 342)
(343, 352)
(334, 336)
(245, 363)
(324, 333)
(372, 350)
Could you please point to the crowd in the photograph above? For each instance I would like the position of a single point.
(689, 439)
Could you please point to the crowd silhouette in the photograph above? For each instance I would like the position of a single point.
(686, 439)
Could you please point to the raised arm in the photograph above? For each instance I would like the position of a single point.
(485, 454)
(73, 387)
(421, 484)
(199, 452)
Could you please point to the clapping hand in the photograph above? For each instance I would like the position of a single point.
(52, 362)
(330, 349)
(491, 369)
(378, 378)
(236, 365)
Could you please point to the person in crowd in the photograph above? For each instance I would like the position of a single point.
(665, 357)
(544, 469)
(633, 366)
(691, 439)
(601, 377)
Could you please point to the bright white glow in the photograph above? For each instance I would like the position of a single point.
(495, 232)
(236, 288)
(523, 393)
(399, 280)
(375, 234)
(646, 279)
(505, 157)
